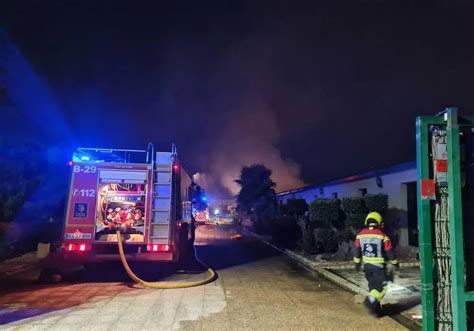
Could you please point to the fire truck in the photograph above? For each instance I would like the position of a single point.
(141, 193)
(201, 216)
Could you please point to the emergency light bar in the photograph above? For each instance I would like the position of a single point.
(110, 155)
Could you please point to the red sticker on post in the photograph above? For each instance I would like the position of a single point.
(428, 189)
(441, 166)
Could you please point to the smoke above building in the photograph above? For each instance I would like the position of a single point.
(250, 139)
(248, 100)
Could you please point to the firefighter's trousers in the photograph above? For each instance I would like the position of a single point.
(377, 278)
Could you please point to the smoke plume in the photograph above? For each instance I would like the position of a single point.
(250, 95)
(250, 138)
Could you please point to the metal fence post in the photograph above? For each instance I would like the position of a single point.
(424, 227)
(455, 222)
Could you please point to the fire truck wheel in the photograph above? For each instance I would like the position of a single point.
(50, 276)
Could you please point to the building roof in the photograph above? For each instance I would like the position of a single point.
(357, 177)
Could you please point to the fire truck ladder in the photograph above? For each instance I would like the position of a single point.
(160, 221)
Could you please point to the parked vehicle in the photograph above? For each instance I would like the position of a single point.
(141, 193)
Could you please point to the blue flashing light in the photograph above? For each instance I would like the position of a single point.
(85, 158)
(194, 209)
(204, 198)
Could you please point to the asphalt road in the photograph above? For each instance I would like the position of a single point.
(258, 288)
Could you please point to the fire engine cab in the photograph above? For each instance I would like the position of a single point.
(141, 193)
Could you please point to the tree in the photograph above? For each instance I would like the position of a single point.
(257, 197)
(33, 181)
(20, 174)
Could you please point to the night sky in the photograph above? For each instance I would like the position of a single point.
(314, 90)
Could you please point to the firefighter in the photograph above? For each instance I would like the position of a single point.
(374, 250)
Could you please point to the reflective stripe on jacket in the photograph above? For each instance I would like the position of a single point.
(373, 246)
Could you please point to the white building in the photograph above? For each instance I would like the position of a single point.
(398, 182)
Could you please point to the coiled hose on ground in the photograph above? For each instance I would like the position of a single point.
(162, 285)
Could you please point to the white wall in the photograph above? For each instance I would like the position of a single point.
(393, 185)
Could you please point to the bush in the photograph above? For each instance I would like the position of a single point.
(308, 243)
(285, 229)
(324, 212)
(355, 221)
(296, 207)
(354, 205)
(356, 208)
(376, 202)
(346, 235)
(326, 240)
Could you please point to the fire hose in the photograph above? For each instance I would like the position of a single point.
(162, 285)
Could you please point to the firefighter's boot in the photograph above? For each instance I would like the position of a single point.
(373, 306)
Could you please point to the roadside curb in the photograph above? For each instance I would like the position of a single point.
(312, 266)
(324, 268)
(345, 265)
(322, 271)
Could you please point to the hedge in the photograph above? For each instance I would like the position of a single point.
(355, 221)
(354, 205)
(285, 229)
(293, 207)
(326, 240)
(308, 243)
(296, 206)
(324, 212)
(376, 202)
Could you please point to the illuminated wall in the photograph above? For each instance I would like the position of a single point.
(392, 181)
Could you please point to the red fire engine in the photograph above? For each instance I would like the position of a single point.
(201, 216)
(141, 193)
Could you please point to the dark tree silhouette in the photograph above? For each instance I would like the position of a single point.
(257, 195)
(20, 174)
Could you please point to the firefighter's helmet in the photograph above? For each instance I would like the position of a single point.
(375, 217)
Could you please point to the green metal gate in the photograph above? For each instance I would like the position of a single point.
(440, 184)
